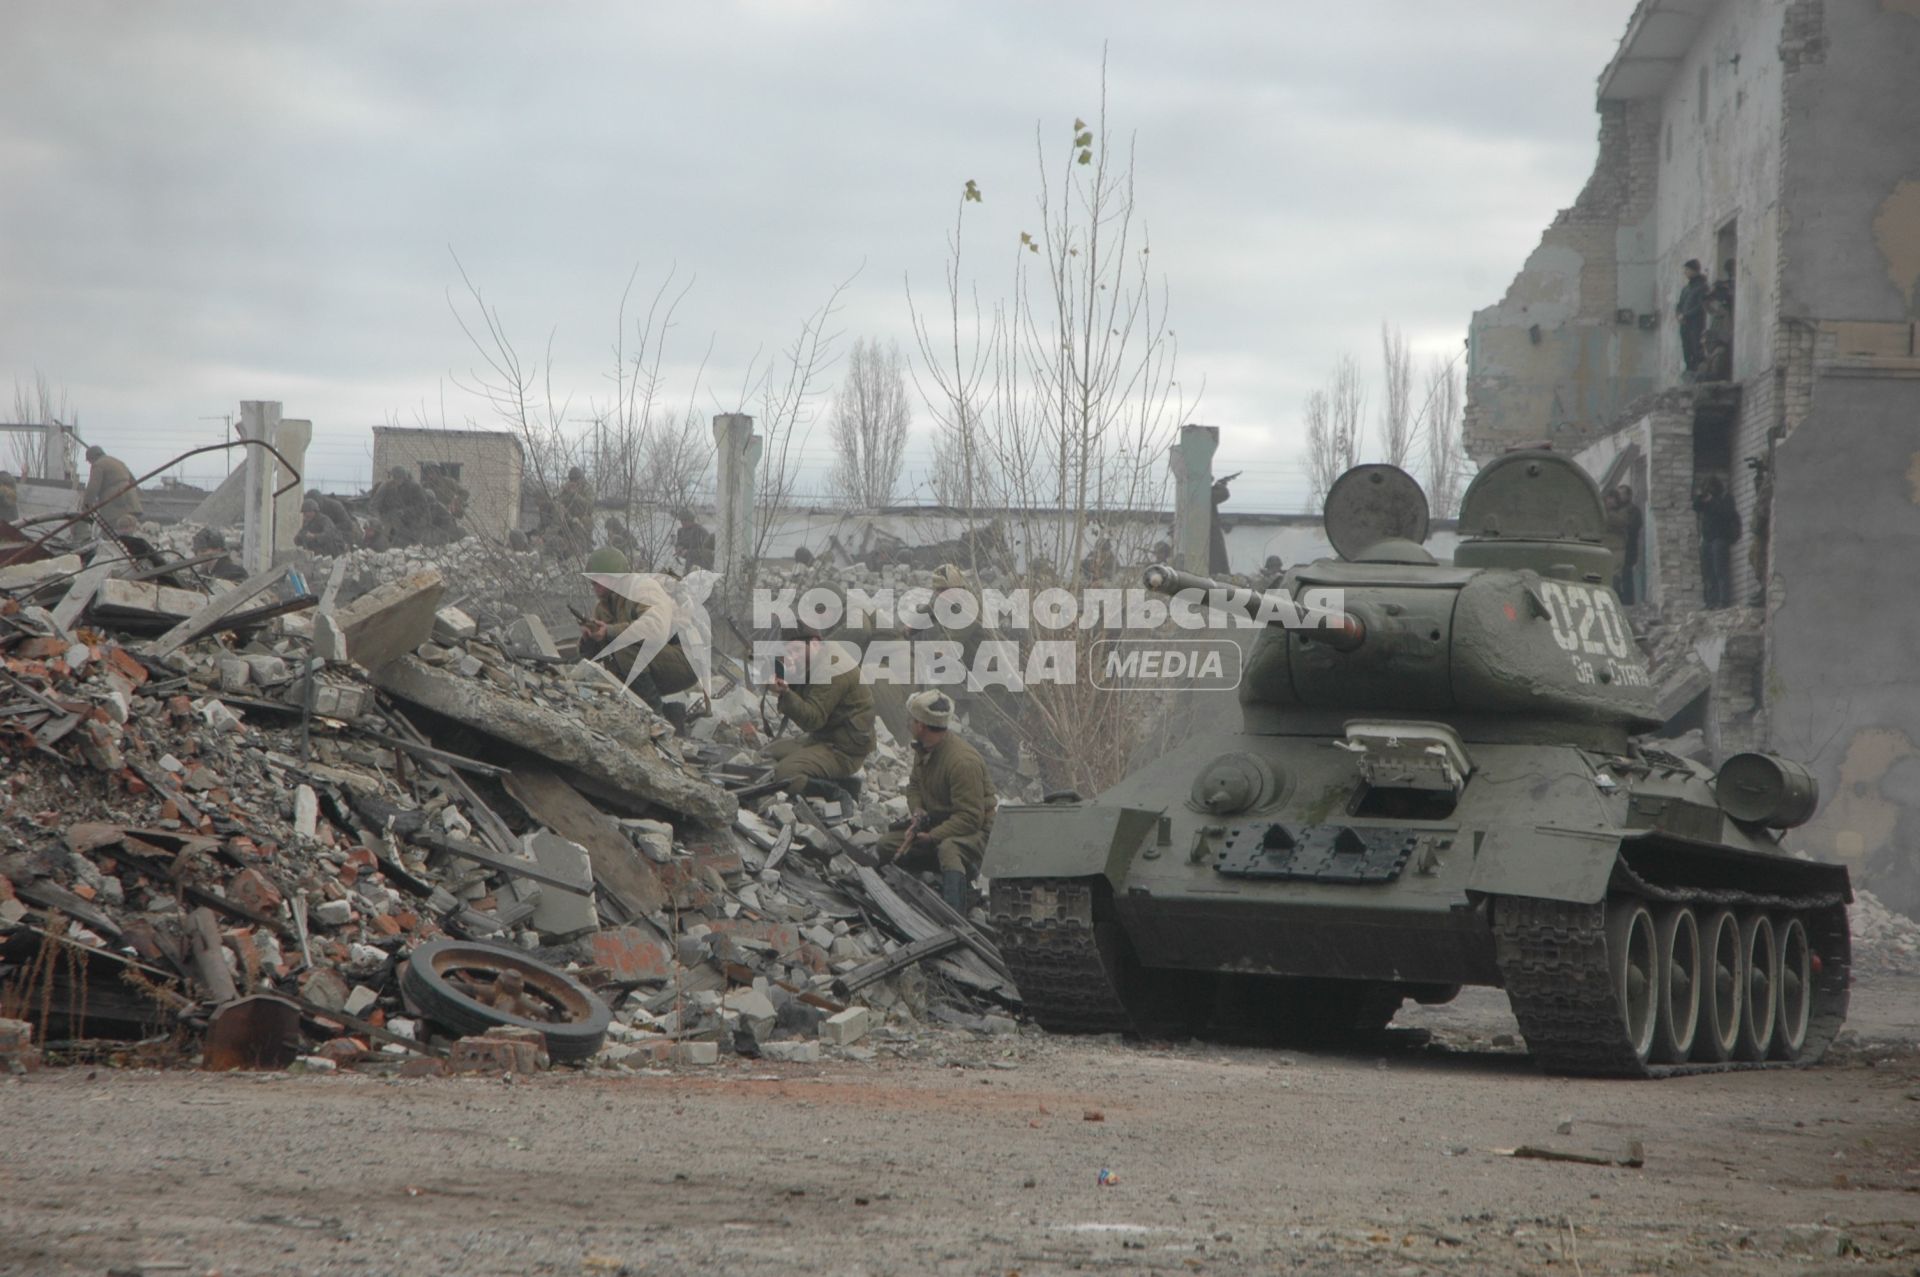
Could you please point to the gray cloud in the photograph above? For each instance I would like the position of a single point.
(210, 202)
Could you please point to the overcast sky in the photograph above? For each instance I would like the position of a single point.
(208, 202)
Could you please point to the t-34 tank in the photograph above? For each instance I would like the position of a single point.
(1439, 786)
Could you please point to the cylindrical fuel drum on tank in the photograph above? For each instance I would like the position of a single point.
(1764, 789)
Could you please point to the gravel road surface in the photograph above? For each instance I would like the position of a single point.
(959, 1153)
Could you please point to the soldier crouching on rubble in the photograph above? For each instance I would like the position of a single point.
(951, 798)
(835, 713)
(641, 609)
(318, 534)
(210, 541)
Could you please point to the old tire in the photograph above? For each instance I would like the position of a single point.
(575, 1020)
(1677, 988)
(1724, 976)
(1759, 991)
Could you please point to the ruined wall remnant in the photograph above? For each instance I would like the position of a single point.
(1778, 133)
(1843, 685)
(1564, 351)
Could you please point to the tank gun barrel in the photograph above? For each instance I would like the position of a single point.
(1343, 631)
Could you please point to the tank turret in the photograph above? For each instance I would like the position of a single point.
(1519, 634)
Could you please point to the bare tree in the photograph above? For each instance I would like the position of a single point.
(789, 392)
(1446, 459)
(1347, 400)
(519, 394)
(1333, 417)
(1323, 465)
(1396, 401)
(1057, 404)
(42, 405)
(649, 458)
(1054, 408)
(871, 417)
(956, 385)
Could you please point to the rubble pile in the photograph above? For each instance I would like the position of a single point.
(1691, 653)
(318, 828)
(1884, 942)
(490, 581)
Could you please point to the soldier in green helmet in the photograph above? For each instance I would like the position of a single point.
(834, 710)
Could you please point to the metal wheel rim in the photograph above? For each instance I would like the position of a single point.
(1795, 988)
(561, 1003)
(1635, 954)
(1720, 999)
(1761, 986)
(1681, 969)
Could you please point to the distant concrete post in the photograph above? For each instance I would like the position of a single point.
(736, 458)
(291, 439)
(1191, 461)
(259, 419)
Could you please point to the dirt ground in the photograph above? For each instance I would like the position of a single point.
(956, 1153)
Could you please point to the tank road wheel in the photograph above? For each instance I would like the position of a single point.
(1720, 992)
(1633, 963)
(1795, 997)
(1759, 1001)
(1677, 991)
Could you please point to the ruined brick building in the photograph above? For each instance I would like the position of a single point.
(1782, 136)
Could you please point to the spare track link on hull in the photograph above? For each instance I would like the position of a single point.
(1049, 939)
(1553, 959)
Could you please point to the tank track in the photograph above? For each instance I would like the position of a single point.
(1552, 957)
(1068, 980)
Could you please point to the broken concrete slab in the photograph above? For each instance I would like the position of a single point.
(756, 1012)
(391, 620)
(205, 615)
(135, 601)
(306, 811)
(562, 914)
(1682, 685)
(17, 576)
(223, 506)
(332, 700)
(604, 744)
(847, 1027)
(329, 640)
(81, 593)
(265, 667)
(628, 878)
(528, 639)
(451, 625)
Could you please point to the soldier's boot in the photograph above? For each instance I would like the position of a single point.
(676, 714)
(643, 685)
(953, 890)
